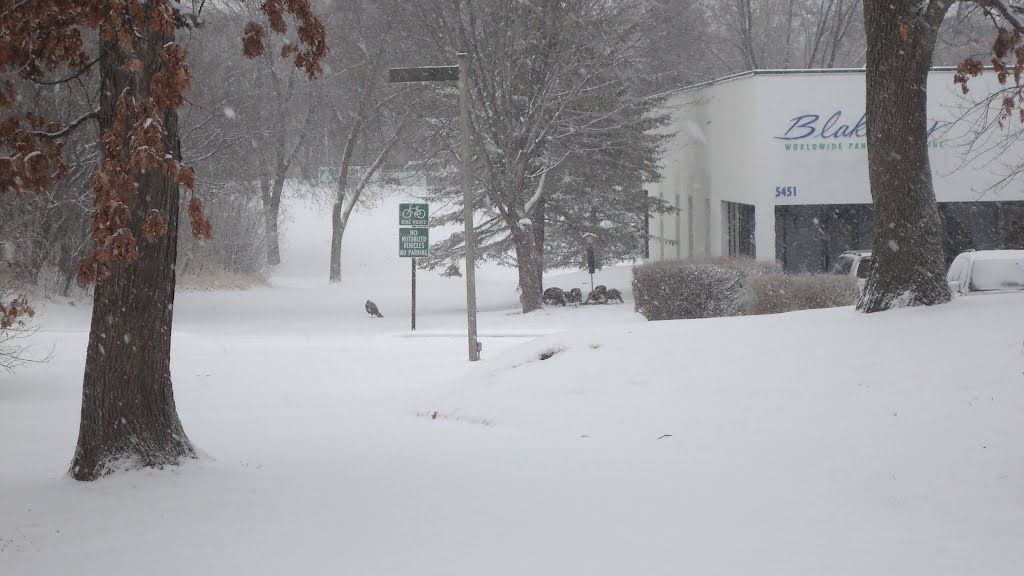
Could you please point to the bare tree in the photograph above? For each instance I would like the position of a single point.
(280, 106)
(349, 191)
(677, 49)
(374, 117)
(756, 34)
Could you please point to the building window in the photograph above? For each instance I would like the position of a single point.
(811, 238)
(981, 226)
(679, 234)
(707, 227)
(661, 230)
(689, 225)
(740, 222)
(645, 241)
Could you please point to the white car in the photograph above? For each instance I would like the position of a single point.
(986, 271)
(854, 263)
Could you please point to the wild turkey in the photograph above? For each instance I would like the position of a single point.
(613, 294)
(554, 296)
(371, 308)
(574, 296)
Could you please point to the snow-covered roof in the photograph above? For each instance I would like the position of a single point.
(998, 254)
(790, 72)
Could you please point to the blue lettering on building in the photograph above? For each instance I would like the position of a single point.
(834, 127)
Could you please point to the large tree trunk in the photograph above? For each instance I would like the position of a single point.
(272, 197)
(339, 216)
(342, 211)
(128, 414)
(530, 269)
(337, 234)
(538, 240)
(908, 268)
(747, 33)
(272, 211)
(270, 215)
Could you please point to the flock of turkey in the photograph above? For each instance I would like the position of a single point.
(599, 295)
(555, 296)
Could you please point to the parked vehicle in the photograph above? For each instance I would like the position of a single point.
(855, 263)
(977, 271)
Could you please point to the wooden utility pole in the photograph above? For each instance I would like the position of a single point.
(461, 74)
(467, 208)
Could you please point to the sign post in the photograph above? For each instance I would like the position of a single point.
(413, 315)
(458, 73)
(413, 240)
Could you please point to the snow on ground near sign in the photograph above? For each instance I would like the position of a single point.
(811, 443)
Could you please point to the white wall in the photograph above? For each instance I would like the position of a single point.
(743, 138)
(832, 166)
(703, 161)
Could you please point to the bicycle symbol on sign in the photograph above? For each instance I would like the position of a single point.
(414, 212)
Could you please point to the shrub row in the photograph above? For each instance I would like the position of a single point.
(775, 293)
(705, 288)
(716, 287)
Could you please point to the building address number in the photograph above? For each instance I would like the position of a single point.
(785, 191)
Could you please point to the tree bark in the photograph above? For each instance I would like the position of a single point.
(908, 268)
(530, 270)
(338, 217)
(129, 418)
(283, 161)
(270, 216)
(337, 234)
(538, 240)
(788, 54)
(747, 33)
(272, 211)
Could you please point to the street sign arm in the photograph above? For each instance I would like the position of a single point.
(424, 74)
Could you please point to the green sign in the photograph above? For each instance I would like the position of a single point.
(413, 242)
(413, 215)
(329, 175)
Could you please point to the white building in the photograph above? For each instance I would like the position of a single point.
(773, 164)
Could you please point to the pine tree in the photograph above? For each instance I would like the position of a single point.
(558, 93)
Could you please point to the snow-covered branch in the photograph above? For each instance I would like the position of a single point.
(1010, 12)
(67, 129)
(536, 194)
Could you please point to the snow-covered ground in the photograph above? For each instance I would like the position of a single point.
(812, 443)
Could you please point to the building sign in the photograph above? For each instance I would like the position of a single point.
(836, 131)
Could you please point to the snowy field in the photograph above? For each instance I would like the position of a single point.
(814, 443)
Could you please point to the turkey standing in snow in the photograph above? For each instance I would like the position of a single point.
(371, 308)
(574, 296)
(613, 294)
(598, 295)
(554, 296)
